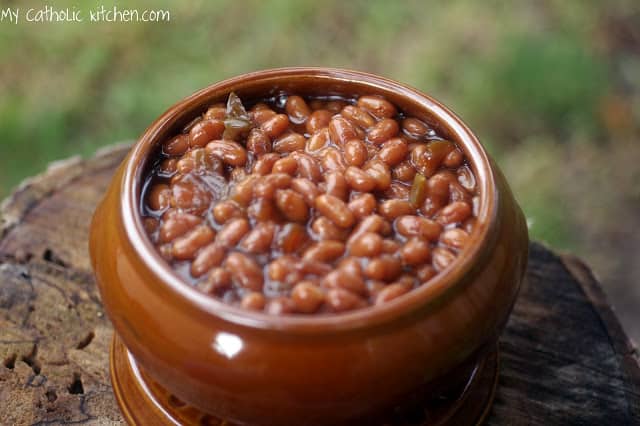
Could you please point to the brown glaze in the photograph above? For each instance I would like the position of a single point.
(261, 369)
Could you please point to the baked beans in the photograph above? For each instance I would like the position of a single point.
(309, 205)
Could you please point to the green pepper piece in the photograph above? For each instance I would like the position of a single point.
(237, 121)
(418, 190)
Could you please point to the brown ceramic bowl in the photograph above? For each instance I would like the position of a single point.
(259, 369)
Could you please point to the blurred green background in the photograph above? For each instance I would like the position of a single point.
(551, 87)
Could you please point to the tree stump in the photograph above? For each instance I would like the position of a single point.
(564, 356)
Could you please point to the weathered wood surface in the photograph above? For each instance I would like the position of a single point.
(564, 357)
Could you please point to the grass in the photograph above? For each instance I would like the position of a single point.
(530, 80)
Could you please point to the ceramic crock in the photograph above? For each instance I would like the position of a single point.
(252, 368)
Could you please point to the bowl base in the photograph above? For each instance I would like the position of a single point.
(143, 401)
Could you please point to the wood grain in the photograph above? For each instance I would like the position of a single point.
(564, 356)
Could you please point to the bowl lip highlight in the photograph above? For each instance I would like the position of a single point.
(417, 299)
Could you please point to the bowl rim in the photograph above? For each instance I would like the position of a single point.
(418, 299)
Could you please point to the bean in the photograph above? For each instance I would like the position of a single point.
(375, 287)
(392, 209)
(336, 185)
(431, 206)
(393, 151)
(362, 205)
(259, 239)
(377, 106)
(404, 171)
(225, 210)
(176, 226)
(219, 279)
(208, 257)
(384, 268)
(415, 252)
(317, 120)
(313, 267)
(307, 296)
(438, 185)
(185, 247)
(237, 174)
(230, 152)
(166, 251)
(453, 159)
(335, 209)
(372, 150)
(316, 104)
(390, 292)
(346, 280)
(159, 197)
(297, 109)
(265, 163)
(339, 300)
(358, 116)
(258, 142)
(390, 246)
(307, 166)
(289, 142)
(191, 161)
(267, 186)
(242, 193)
(306, 188)
(359, 180)
(427, 158)
(216, 111)
(350, 265)
(259, 106)
(398, 190)
(287, 165)
(177, 145)
(253, 301)
(318, 140)
(291, 237)
(332, 160)
(261, 116)
(281, 306)
(325, 229)
(232, 232)
(292, 205)
(371, 223)
(366, 244)
(442, 258)
(425, 273)
(383, 131)
(415, 128)
(341, 130)
(168, 167)
(458, 193)
(335, 106)
(244, 271)
(263, 210)
(275, 126)
(205, 131)
(324, 251)
(380, 172)
(189, 196)
(454, 238)
(278, 269)
(416, 226)
(456, 212)
(355, 152)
